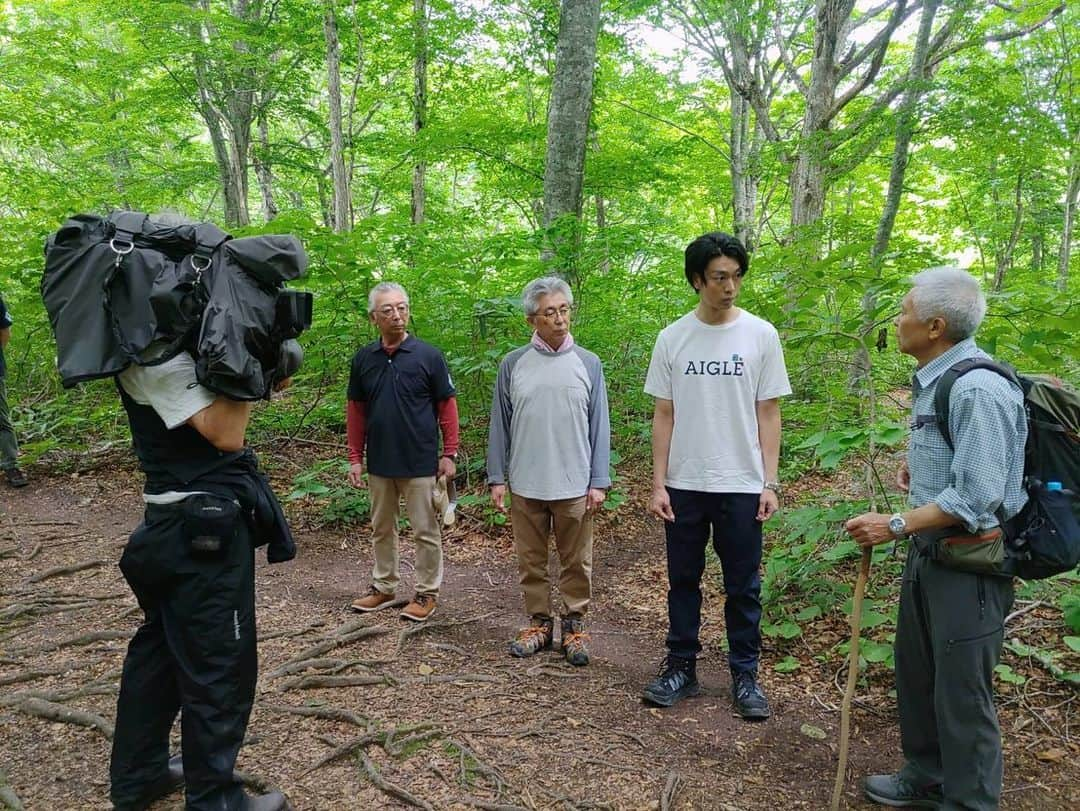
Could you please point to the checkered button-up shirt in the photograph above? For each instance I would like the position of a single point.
(989, 429)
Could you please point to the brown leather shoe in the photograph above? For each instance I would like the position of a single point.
(373, 601)
(421, 607)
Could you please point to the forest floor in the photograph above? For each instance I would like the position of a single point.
(438, 715)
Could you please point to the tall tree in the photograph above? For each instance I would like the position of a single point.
(341, 215)
(419, 105)
(568, 122)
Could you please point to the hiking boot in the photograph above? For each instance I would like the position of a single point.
(675, 680)
(535, 638)
(421, 607)
(15, 477)
(746, 694)
(898, 792)
(170, 781)
(573, 641)
(372, 601)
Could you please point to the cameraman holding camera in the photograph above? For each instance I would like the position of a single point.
(191, 565)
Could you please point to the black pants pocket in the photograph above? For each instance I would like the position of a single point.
(210, 524)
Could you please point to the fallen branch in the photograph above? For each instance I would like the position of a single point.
(553, 670)
(9, 552)
(69, 569)
(52, 711)
(490, 806)
(385, 786)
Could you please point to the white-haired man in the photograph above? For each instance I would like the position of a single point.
(400, 398)
(550, 439)
(951, 620)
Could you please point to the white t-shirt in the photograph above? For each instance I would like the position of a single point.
(715, 375)
(170, 388)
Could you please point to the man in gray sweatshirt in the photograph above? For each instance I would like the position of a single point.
(550, 440)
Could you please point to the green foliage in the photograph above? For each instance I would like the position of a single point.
(325, 485)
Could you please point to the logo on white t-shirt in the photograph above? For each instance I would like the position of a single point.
(717, 368)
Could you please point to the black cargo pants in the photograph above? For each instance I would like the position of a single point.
(948, 641)
(194, 653)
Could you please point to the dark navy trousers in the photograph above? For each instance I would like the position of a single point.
(736, 535)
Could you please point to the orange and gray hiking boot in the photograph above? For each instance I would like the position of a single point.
(372, 601)
(420, 608)
(573, 641)
(535, 638)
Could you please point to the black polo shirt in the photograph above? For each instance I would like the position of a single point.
(401, 393)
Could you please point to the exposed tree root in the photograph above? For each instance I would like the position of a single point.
(391, 789)
(343, 750)
(9, 552)
(300, 667)
(553, 670)
(343, 636)
(294, 632)
(671, 790)
(69, 569)
(319, 680)
(30, 675)
(429, 626)
(52, 711)
(326, 713)
(33, 553)
(487, 805)
(74, 642)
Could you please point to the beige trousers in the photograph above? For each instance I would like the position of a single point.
(386, 495)
(533, 520)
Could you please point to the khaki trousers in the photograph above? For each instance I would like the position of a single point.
(386, 495)
(533, 521)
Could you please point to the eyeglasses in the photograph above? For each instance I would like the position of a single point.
(564, 312)
(390, 309)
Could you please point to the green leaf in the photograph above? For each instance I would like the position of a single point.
(789, 664)
(872, 619)
(1073, 642)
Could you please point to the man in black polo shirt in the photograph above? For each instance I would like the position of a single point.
(9, 447)
(400, 397)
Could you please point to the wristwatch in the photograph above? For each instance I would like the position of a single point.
(897, 525)
(451, 456)
(776, 487)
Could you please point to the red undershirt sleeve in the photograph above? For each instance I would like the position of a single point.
(356, 429)
(448, 424)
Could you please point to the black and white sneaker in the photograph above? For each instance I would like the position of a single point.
(747, 697)
(676, 679)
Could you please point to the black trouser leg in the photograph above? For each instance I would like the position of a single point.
(687, 537)
(206, 620)
(145, 711)
(737, 541)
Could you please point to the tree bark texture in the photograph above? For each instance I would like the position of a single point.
(264, 172)
(569, 111)
(420, 69)
(341, 201)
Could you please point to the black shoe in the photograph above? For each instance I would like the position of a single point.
(274, 801)
(676, 679)
(746, 694)
(15, 477)
(171, 781)
(896, 791)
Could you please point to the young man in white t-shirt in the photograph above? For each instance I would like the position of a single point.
(717, 375)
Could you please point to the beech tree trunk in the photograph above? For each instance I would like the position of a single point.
(420, 60)
(568, 126)
(264, 172)
(341, 214)
(1072, 194)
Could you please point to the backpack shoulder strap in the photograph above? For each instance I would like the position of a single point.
(949, 377)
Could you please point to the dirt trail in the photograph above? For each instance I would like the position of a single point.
(436, 716)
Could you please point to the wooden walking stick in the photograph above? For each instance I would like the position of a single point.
(852, 676)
